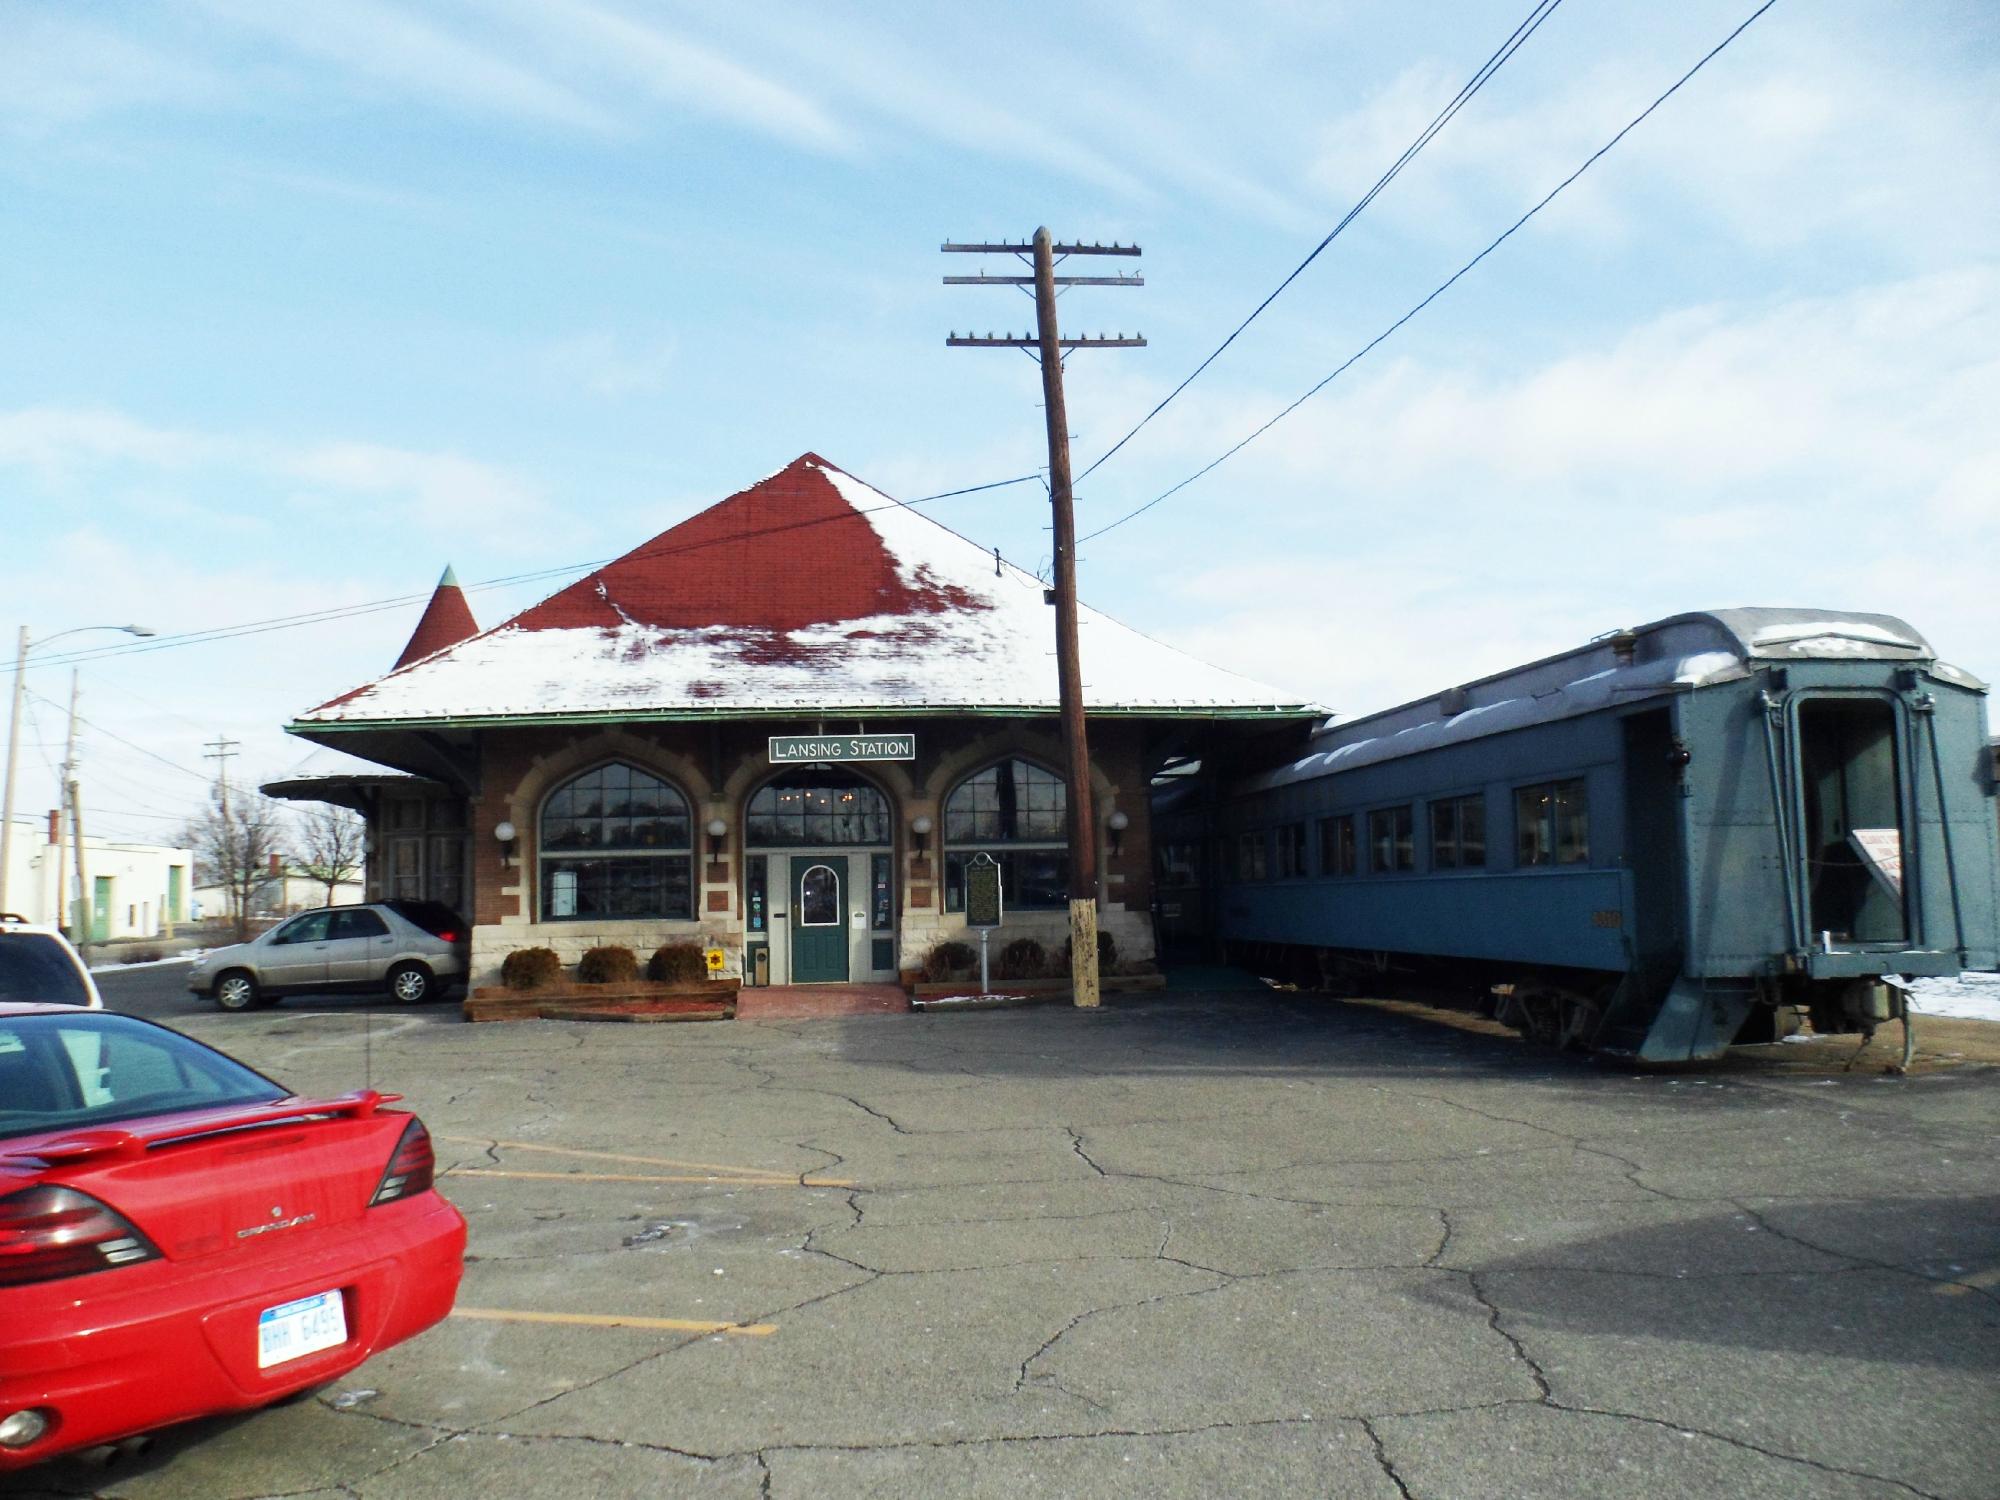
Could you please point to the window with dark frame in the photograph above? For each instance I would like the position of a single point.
(1290, 862)
(1458, 833)
(616, 843)
(1336, 845)
(1552, 823)
(1253, 856)
(1017, 812)
(1392, 840)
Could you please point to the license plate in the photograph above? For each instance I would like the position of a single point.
(293, 1330)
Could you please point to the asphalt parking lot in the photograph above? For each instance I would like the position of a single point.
(1198, 1245)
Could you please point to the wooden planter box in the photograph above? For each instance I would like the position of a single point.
(633, 1000)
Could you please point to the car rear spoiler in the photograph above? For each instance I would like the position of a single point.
(134, 1142)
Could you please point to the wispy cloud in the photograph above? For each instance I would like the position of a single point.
(114, 454)
(396, 48)
(673, 69)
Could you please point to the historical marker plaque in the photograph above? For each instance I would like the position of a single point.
(982, 892)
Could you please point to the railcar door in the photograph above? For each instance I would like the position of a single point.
(1854, 831)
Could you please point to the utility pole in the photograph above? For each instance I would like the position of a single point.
(13, 753)
(66, 913)
(219, 750)
(1048, 345)
(87, 921)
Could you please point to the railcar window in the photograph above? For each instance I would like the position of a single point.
(1291, 862)
(1552, 823)
(1179, 863)
(1252, 857)
(1458, 833)
(1392, 839)
(1336, 845)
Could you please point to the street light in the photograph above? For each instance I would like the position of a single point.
(14, 740)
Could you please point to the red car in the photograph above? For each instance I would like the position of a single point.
(180, 1236)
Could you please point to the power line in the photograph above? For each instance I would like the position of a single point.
(350, 611)
(1530, 24)
(1442, 287)
(129, 745)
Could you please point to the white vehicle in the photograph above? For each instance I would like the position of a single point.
(38, 965)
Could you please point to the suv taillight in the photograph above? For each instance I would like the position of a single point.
(411, 1169)
(47, 1233)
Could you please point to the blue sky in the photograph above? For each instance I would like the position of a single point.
(304, 302)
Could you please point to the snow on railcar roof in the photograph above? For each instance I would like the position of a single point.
(1679, 653)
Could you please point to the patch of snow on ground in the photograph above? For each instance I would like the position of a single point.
(1974, 997)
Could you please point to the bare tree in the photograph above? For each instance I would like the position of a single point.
(235, 847)
(331, 845)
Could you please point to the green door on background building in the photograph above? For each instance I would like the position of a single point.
(100, 910)
(819, 918)
(176, 912)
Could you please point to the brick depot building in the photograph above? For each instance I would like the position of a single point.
(780, 728)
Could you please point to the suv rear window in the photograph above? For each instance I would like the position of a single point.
(36, 967)
(91, 1069)
(439, 920)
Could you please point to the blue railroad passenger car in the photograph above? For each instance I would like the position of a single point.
(1653, 845)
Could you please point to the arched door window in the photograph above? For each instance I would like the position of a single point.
(1017, 812)
(616, 842)
(819, 897)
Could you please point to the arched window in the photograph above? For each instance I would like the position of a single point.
(810, 809)
(1014, 811)
(616, 843)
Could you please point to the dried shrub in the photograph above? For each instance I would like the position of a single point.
(1024, 958)
(607, 965)
(530, 968)
(677, 963)
(1107, 955)
(948, 961)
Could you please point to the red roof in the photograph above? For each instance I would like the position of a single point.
(786, 553)
(447, 620)
(809, 592)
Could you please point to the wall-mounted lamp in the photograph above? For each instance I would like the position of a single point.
(1117, 823)
(921, 825)
(717, 832)
(504, 832)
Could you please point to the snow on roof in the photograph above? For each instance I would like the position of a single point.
(808, 592)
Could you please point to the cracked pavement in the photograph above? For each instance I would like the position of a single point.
(1185, 1246)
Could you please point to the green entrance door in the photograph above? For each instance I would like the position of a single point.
(819, 918)
(100, 910)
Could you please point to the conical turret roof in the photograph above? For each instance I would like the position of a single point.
(446, 621)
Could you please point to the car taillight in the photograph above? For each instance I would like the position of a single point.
(410, 1170)
(47, 1233)
(449, 935)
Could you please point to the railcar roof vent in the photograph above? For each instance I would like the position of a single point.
(1452, 702)
(1624, 647)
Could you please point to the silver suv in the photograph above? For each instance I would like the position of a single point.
(416, 950)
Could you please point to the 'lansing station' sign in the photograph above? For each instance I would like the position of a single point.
(787, 749)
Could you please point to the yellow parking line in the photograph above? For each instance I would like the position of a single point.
(643, 1161)
(1964, 1284)
(714, 1181)
(614, 1320)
